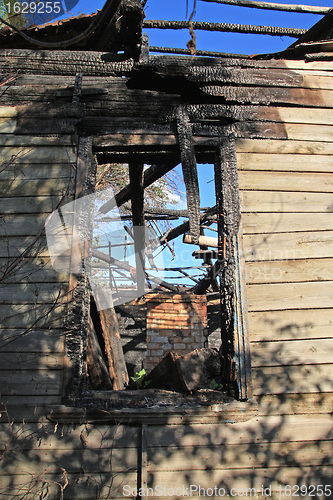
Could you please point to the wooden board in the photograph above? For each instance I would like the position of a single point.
(291, 325)
(30, 293)
(31, 382)
(37, 171)
(293, 404)
(291, 271)
(288, 246)
(292, 352)
(282, 201)
(37, 341)
(263, 429)
(38, 270)
(20, 316)
(287, 162)
(208, 458)
(282, 181)
(37, 204)
(18, 361)
(41, 154)
(283, 296)
(32, 188)
(283, 147)
(256, 223)
(292, 379)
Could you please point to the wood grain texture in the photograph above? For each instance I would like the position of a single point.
(294, 352)
(291, 325)
(289, 271)
(288, 246)
(261, 223)
(284, 201)
(282, 181)
(284, 147)
(284, 162)
(283, 296)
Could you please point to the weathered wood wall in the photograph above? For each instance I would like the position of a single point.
(284, 154)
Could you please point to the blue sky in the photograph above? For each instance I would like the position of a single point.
(224, 42)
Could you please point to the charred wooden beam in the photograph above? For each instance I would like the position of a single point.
(310, 9)
(150, 175)
(138, 219)
(190, 174)
(225, 27)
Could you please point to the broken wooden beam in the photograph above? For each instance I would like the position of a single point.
(187, 373)
(208, 241)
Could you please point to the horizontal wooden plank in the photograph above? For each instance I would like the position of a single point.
(24, 316)
(17, 361)
(306, 132)
(283, 296)
(38, 270)
(256, 223)
(257, 455)
(283, 147)
(37, 204)
(31, 383)
(41, 154)
(38, 461)
(31, 293)
(263, 429)
(292, 404)
(292, 324)
(243, 480)
(288, 246)
(27, 140)
(7, 125)
(282, 181)
(282, 201)
(35, 341)
(291, 271)
(292, 379)
(68, 437)
(313, 116)
(33, 188)
(292, 352)
(80, 485)
(286, 162)
(30, 409)
(22, 225)
(37, 171)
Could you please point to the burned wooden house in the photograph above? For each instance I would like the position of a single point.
(237, 393)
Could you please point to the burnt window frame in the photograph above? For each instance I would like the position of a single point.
(81, 403)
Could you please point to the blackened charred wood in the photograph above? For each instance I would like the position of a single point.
(138, 219)
(190, 174)
(97, 368)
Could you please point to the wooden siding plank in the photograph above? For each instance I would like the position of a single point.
(37, 270)
(292, 379)
(256, 223)
(69, 437)
(280, 201)
(288, 246)
(18, 316)
(27, 293)
(306, 132)
(289, 271)
(283, 296)
(290, 325)
(36, 341)
(34, 141)
(282, 181)
(244, 480)
(257, 455)
(33, 188)
(37, 204)
(37, 171)
(283, 147)
(263, 429)
(286, 162)
(31, 383)
(292, 404)
(41, 154)
(16, 362)
(293, 352)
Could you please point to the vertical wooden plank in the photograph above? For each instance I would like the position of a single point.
(144, 461)
(241, 332)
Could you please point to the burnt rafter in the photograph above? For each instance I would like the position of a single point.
(150, 175)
